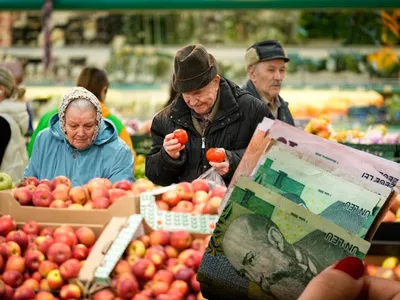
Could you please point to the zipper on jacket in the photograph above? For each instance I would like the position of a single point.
(203, 150)
(203, 143)
(74, 154)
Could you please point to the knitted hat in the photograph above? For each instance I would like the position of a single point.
(7, 81)
(194, 68)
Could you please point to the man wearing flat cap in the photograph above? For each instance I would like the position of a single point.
(213, 111)
(265, 63)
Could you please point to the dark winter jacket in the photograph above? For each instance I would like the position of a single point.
(284, 114)
(238, 115)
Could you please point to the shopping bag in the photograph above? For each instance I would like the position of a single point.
(213, 176)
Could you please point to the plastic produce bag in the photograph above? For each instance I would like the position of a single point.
(213, 176)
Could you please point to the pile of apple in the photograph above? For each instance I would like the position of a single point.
(99, 193)
(197, 197)
(390, 269)
(393, 215)
(39, 262)
(159, 266)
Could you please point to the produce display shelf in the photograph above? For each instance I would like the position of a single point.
(141, 143)
(387, 151)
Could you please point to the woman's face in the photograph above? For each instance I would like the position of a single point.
(80, 125)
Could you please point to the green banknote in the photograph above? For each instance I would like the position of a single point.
(334, 198)
(266, 247)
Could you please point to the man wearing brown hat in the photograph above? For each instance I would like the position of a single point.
(213, 111)
(265, 63)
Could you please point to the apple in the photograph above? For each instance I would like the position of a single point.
(63, 228)
(159, 287)
(16, 263)
(171, 198)
(88, 205)
(46, 266)
(61, 192)
(144, 269)
(184, 190)
(78, 195)
(218, 191)
(33, 259)
(184, 274)
(8, 292)
(42, 198)
(195, 284)
(2, 264)
(123, 185)
(80, 252)
(161, 205)
(47, 182)
(159, 237)
(23, 195)
(146, 240)
(66, 238)
(212, 206)
(371, 270)
(200, 185)
(32, 283)
(107, 183)
(200, 197)
(44, 295)
(137, 247)
(199, 245)
(19, 237)
(190, 258)
(390, 262)
(54, 279)
(44, 285)
(61, 180)
(47, 231)
(141, 296)
(42, 186)
(95, 184)
(142, 185)
(184, 207)
(24, 293)
(164, 276)
(59, 253)
(105, 294)
(114, 194)
(58, 204)
(180, 240)
(36, 275)
(157, 258)
(101, 203)
(70, 291)
(31, 181)
(86, 236)
(179, 286)
(70, 269)
(12, 278)
(7, 224)
(127, 287)
(31, 227)
(121, 267)
(43, 243)
(5, 182)
(12, 249)
(171, 251)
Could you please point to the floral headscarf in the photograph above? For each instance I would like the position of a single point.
(75, 94)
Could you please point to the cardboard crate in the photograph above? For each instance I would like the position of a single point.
(173, 221)
(125, 206)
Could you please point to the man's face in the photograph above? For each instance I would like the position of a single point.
(203, 99)
(267, 77)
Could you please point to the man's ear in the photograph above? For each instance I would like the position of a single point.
(276, 238)
(251, 70)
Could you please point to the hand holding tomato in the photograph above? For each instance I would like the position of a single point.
(181, 135)
(172, 145)
(217, 159)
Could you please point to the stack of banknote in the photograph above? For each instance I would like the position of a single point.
(296, 205)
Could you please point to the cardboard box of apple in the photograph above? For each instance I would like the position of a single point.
(389, 269)
(40, 261)
(161, 265)
(98, 193)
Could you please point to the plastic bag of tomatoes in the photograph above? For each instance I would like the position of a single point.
(214, 154)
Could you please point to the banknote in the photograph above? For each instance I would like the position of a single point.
(380, 172)
(334, 198)
(266, 247)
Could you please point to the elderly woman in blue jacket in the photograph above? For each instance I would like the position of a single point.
(80, 144)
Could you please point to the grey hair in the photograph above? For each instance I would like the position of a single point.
(82, 104)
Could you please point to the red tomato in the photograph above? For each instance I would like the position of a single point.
(215, 155)
(182, 136)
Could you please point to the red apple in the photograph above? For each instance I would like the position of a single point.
(179, 286)
(16, 263)
(157, 258)
(12, 249)
(63, 228)
(105, 294)
(136, 247)
(183, 207)
(66, 238)
(46, 266)
(23, 195)
(88, 205)
(54, 279)
(42, 198)
(144, 269)
(127, 287)
(171, 198)
(43, 243)
(44, 295)
(171, 251)
(141, 296)
(80, 252)
(58, 204)
(31, 181)
(180, 240)
(161, 205)
(47, 182)
(78, 195)
(61, 180)
(142, 185)
(159, 237)
(42, 186)
(59, 253)
(115, 194)
(190, 258)
(33, 259)
(184, 274)
(7, 224)
(31, 227)
(32, 283)
(159, 287)
(195, 284)
(70, 269)
(164, 276)
(200, 185)
(146, 240)
(199, 245)
(70, 291)
(2, 264)
(123, 185)
(101, 203)
(12, 278)
(36, 275)
(218, 191)
(44, 285)
(184, 190)
(61, 192)
(212, 206)
(8, 292)
(200, 197)
(24, 293)
(47, 231)
(86, 236)
(121, 267)
(19, 237)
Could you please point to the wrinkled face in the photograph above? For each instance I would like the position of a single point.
(80, 125)
(203, 99)
(267, 77)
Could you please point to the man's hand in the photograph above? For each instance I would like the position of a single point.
(172, 146)
(223, 167)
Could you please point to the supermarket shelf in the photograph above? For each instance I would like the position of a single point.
(386, 241)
